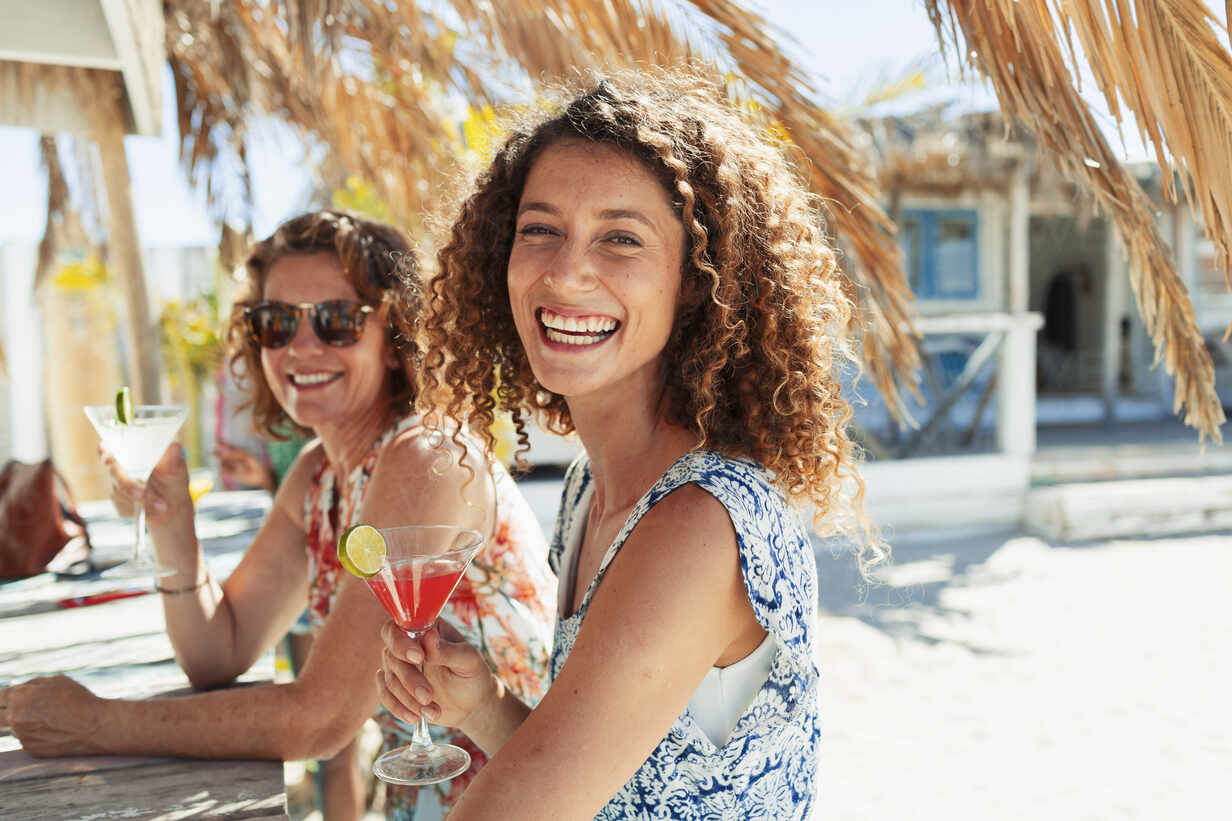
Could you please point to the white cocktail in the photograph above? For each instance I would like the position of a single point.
(137, 445)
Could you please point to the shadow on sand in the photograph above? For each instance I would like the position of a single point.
(903, 598)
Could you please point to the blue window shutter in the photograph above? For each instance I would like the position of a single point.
(942, 253)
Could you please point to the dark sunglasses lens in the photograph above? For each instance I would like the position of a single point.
(339, 322)
(273, 326)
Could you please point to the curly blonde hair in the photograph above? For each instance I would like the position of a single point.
(380, 264)
(758, 353)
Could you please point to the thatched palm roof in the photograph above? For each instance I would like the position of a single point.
(376, 81)
(934, 152)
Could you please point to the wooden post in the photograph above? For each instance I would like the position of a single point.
(124, 259)
(82, 368)
(1016, 382)
(1116, 295)
(1185, 259)
(1019, 250)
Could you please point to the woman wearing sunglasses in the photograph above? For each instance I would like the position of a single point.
(326, 330)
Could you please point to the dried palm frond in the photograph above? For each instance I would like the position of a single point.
(380, 84)
(74, 226)
(234, 245)
(53, 94)
(1162, 57)
(69, 208)
(97, 99)
(63, 228)
(932, 153)
(844, 178)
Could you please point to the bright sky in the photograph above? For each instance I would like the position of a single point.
(846, 44)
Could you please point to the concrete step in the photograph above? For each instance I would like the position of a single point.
(979, 490)
(1098, 453)
(1096, 464)
(1130, 508)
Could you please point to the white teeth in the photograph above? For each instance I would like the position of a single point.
(575, 338)
(577, 325)
(311, 378)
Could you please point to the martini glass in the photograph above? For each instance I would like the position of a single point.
(423, 564)
(137, 446)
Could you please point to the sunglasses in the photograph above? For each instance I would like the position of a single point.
(336, 322)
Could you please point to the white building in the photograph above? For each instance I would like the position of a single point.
(1002, 257)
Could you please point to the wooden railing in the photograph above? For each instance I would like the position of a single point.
(1008, 337)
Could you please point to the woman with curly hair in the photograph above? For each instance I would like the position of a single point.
(325, 337)
(641, 267)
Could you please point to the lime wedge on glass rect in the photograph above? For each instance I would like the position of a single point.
(361, 551)
(124, 406)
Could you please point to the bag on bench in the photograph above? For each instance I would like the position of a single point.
(40, 529)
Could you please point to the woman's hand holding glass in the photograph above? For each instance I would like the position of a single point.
(454, 686)
(165, 494)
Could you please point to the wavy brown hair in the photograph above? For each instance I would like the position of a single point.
(380, 264)
(754, 359)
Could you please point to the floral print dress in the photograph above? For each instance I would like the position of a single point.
(503, 606)
(766, 769)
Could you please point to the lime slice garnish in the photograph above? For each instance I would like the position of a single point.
(124, 405)
(361, 551)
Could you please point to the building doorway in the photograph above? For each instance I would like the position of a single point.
(1068, 278)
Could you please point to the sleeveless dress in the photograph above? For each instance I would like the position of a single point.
(503, 606)
(768, 765)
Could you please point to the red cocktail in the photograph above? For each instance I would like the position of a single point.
(414, 593)
(423, 564)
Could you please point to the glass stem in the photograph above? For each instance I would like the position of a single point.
(139, 542)
(421, 739)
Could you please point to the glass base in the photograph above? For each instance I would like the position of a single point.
(422, 765)
(137, 569)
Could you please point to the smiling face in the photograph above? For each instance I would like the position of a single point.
(316, 384)
(594, 274)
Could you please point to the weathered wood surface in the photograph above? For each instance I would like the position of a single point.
(120, 649)
(104, 787)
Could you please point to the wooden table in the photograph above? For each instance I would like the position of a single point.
(119, 649)
(106, 787)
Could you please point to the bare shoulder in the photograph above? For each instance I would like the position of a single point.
(684, 547)
(429, 450)
(426, 474)
(693, 523)
(680, 566)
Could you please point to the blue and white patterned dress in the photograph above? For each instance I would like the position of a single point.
(767, 767)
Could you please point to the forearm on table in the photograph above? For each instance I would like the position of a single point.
(284, 722)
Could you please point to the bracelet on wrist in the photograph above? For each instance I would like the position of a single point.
(192, 588)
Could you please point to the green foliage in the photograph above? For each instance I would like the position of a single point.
(192, 335)
(192, 351)
(360, 196)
